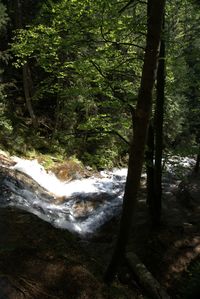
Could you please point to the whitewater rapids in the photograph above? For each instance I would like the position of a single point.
(86, 203)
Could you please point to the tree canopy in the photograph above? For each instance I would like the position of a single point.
(83, 62)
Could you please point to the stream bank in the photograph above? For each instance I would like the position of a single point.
(38, 261)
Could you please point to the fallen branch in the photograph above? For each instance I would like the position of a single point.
(145, 278)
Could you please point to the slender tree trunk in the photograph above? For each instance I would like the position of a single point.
(56, 124)
(155, 134)
(196, 167)
(159, 113)
(27, 92)
(26, 75)
(149, 157)
(18, 13)
(156, 203)
(142, 116)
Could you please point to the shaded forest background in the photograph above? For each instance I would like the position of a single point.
(71, 70)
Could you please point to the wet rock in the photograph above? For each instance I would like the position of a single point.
(86, 204)
(10, 178)
(5, 160)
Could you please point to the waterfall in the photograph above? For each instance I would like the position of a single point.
(82, 205)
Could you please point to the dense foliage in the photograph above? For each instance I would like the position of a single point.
(71, 72)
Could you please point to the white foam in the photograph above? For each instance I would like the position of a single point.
(62, 215)
(51, 183)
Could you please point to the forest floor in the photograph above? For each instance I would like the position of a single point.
(41, 262)
(172, 251)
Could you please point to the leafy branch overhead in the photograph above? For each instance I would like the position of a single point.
(84, 61)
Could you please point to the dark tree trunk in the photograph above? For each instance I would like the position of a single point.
(142, 116)
(149, 157)
(26, 74)
(196, 167)
(18, 13)
(156, 203)
(27, 82)
(159, 113)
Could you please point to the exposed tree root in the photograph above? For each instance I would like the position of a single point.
(145, 278)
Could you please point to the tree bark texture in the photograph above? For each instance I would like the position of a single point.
(142, 116)
(149, 157)
(158, 127)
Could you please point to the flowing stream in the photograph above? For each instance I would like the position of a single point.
(81, 205)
